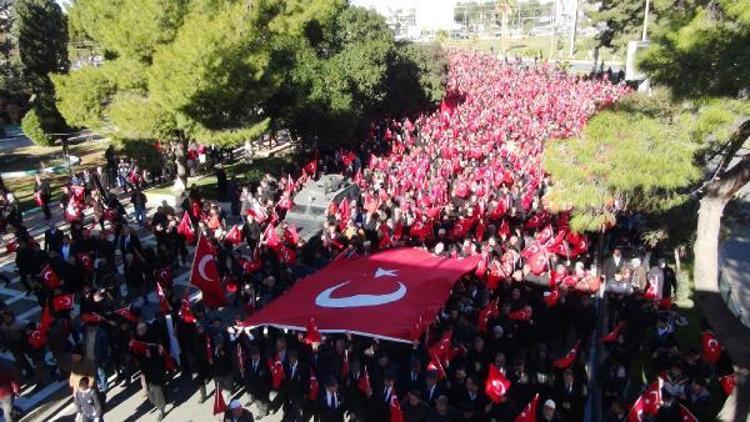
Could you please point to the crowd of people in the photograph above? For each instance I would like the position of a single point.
(463, 180)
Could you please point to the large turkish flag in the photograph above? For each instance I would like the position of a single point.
(205, 276)
(381, 295)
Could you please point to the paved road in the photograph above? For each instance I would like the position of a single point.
(51, 401)
(734, 255)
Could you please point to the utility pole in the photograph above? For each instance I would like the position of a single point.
(553, 41)
(574, 29)
(645, 21)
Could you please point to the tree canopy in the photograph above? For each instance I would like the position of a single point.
(702, 50)
(39, 33)
(651, 150)
(221, 71)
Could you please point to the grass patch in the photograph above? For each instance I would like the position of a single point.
(533, 46)
(91, 154)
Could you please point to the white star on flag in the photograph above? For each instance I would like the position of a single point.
(380, 272)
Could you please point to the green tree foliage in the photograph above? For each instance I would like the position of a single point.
(40, 34)
(622, 21)
(34, 129)
(82, 96)
(348, 68)
(128, 28)
(222, 71)
(41, 37)
(10, 81)
(703, 50)
(624, 159)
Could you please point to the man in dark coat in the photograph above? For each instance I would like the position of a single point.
(331, 404)
(258, 381)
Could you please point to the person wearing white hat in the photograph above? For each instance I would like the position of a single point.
(549, 413)
(237, 413)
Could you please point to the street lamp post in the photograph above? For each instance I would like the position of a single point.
(644, 37)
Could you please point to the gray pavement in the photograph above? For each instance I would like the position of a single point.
(734, 253)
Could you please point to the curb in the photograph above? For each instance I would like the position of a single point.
(74, 160)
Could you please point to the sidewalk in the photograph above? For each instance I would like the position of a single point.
(734, 276)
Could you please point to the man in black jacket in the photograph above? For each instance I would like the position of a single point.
(331, 404)
(257, 381)
(296, 382)
(53, 238)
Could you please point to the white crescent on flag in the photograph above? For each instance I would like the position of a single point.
(202, 267)
(324, 299)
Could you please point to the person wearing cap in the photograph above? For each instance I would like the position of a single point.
(331, 403)
(549, 412)
(237, 413)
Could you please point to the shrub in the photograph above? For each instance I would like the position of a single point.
(33, 128)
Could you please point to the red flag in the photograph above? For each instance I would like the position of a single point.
(551, 297)
(277, 374)
(443, 351)
(79, 193)
(314, 386)
(63, 302)
(186, 313)
(545, 234)
(529, 412)
(185, 228)
(636, 412)
(46, 320)
(398, 285)
(92, 317)
(37, 339)
(490, 311)
(363, 383)
(127, 314)
(523, 314)
(271, 239)
(651, 398)
(567, 360)
(234, 236)
(11, 246)
(163, 303)
(290, 235)
(497, 385)
(462, 226)
(686, 415)
(163, 276)
(219, 405)
(727, 383)
(436, 365)
(138, 347)
(86, 261)
(612, 336)
(312, 167)
(345, 364)
(711, 348)
(396, 414)
(287, 255)
(49, 277)
(312, 335)
(205, 276)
